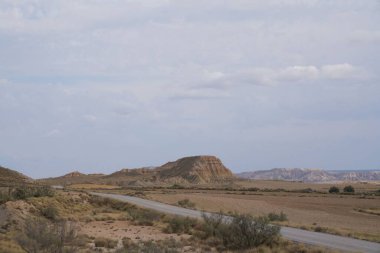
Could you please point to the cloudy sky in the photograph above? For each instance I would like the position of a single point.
(97, 86)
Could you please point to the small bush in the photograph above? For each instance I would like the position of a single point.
(186, 203)
(349, 189)
(180, 225)
(246, 232)
(144, 217)
(240, 231)
(277, 217)
(50, 212)
(105, 243)
(334, 189)
(39, 235)
(320, 229)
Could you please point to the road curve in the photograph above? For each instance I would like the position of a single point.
(320, 239)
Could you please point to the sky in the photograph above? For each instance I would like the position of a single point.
(97, 86)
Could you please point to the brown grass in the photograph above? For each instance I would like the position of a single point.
(93, 187)
(323, 187)
(338, 213)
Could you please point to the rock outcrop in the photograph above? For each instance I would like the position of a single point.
(196, 169)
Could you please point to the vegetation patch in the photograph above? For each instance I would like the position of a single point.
(186, 203)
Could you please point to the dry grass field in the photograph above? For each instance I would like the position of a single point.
(291, 185)
(92, 187)
(86, 224)
(352, 215)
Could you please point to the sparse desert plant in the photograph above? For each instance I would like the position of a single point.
(50, 212)
(180, 225)
(144, 217)
(349, 189)
(39, 235)
(334, 189)
(165, 246)
(212, 223)
(241, 231)
(105, 243)
(246, 232)
(277, 217)
(186, 203)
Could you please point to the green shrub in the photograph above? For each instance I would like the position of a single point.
(349, 189)
(241, 231)
(246, 232)
(180, 225)
(144, 217)
(277, 217)
(39, 235)
(334, 189)
(50, 212)
(105, 243)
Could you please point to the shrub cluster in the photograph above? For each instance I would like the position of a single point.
(346, 189)
(277, 217)
(240, 232)
(334, 189)
(180, 225)
(24, 192)
(105, 243)
(349, 189)
(50, 212)
(142, 217)
(39, 235)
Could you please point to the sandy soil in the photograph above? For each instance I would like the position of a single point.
(117, 230)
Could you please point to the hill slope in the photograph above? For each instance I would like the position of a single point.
(10, 177)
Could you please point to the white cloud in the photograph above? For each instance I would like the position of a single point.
(341, 71)
(297, 73)
(291, 74)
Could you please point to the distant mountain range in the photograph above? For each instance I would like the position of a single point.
(311, 175)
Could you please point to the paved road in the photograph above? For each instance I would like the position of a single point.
(298, 235)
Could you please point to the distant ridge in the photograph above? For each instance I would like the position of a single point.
(311, 175)
(187, 170)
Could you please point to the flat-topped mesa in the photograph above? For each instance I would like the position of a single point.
(196, 169)
(73, 174)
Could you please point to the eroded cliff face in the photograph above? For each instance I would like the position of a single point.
(311, 175)
(196, 169)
